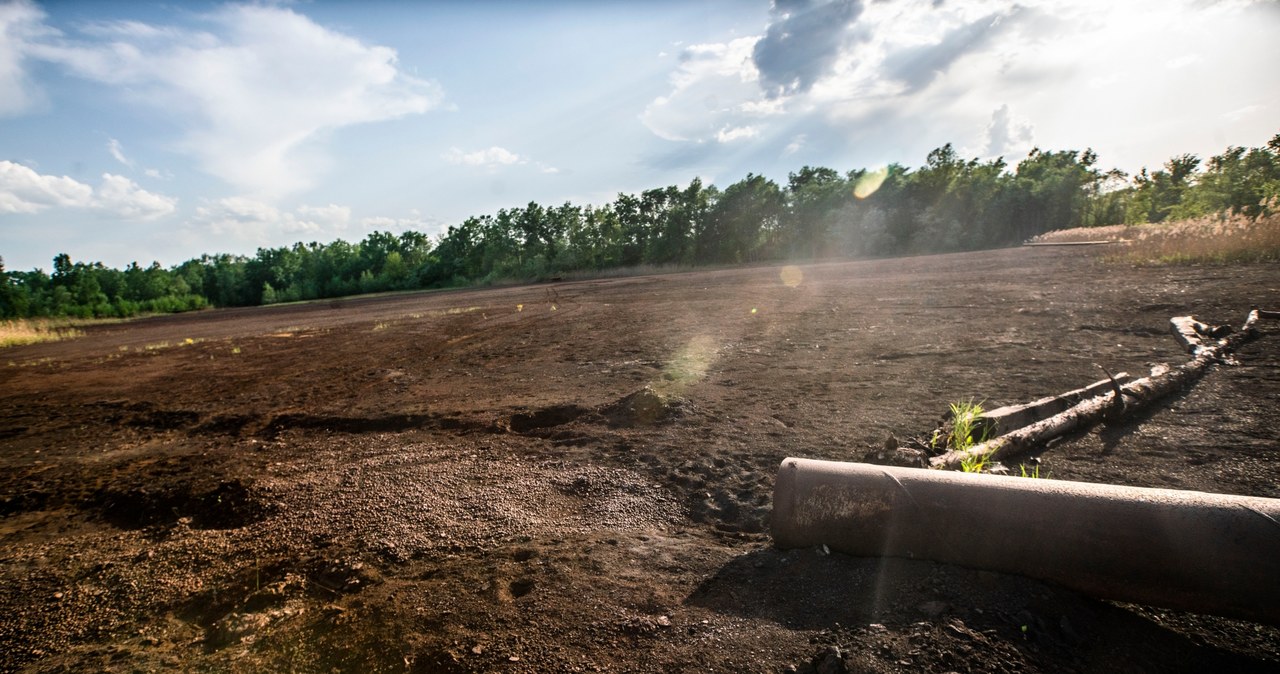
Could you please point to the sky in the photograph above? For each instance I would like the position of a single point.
(159, 131)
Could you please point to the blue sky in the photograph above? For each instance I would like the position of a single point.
(159, 131)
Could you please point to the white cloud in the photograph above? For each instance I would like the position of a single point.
(258, 91)
(250, 221)
(332, 216)
(117, 151)
(490, 158)
(728, 135)
(714, 86)
(20, 22)
(414, 222)
(122, 197)
(796, 143)
(244, 222)
(889, 81)
(494, 158)
(1007, 135)
(23, 190)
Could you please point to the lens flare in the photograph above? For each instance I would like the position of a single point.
(869, 182)
(791, 276)
(688, 365)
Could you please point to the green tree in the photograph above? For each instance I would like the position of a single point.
(741, 220)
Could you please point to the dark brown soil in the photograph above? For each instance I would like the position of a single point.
(577, 477)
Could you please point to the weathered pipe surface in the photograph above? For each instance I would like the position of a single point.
(1200, 552)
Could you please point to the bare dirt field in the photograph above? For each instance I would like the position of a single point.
(577, 476)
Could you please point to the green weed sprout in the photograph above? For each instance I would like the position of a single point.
(964, 422)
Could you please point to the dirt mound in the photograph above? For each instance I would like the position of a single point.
(646, 407)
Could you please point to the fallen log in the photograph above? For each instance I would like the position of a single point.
(1125, 399)
(1034, 244)
(1002, 420)
(1194, 551)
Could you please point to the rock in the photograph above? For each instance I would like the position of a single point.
(830, 661)
(906, 457)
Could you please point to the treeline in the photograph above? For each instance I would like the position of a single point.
(949, 204)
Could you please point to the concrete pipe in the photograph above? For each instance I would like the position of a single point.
(1194, 551)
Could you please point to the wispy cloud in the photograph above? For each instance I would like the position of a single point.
(415, 221)
(797, 142)
(492, 159)
(20, 23)
(730, 134)
(117, 151)
(259, 89)
(248, 221)
(23, 190)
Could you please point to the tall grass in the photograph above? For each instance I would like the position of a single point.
(34, 331)
(1212, 239)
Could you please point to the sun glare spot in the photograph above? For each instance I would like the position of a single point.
(869, 182)
(791, 276)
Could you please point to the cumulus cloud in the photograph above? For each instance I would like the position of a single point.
(122, 197)
(892, 80)
(257, 90)
(802, 43)
(23, 190)
(1005, 135)
(714, 86)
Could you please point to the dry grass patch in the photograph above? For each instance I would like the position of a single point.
(22, 331)
(1212, 239)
